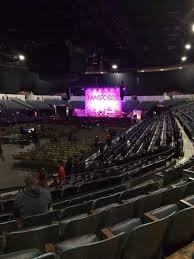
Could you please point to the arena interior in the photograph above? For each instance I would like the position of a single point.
(97, 130)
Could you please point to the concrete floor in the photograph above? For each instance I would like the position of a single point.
(188, 146)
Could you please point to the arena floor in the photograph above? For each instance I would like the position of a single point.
(10, 177)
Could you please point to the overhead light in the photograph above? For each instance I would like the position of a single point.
(21, 57)
(142, 71)
(188, 46)
(101, 72)
(192, 27)
(180, 68)
(114, 66)
(184, 58)
(161, 69)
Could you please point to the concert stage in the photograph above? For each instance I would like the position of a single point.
(101, 102)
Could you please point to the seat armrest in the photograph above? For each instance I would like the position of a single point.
(151, 217)
(188, 204)
(49, 248)
(107, 233)
(122, 201)
(92, 212)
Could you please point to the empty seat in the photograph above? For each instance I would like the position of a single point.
(180, 231)
(150, 202)
(36, 237)
(126, 226)
(106, 202)
(46, 256)
(8, 226)
(77, 211)
(181, 226)
(6, 217)
(100, 194)
(108, 248)
(80, 200)
(24, 254)
(78, 227)
(129, 194)
(41, 219)
(121, 212)
(190, 199)
(119, 188)
(189, 188)
(56, 195)
(173, 195)
(165, 211)
(60, 205)
(69, 191)
(145, 241)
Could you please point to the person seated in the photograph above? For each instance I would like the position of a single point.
(32, 201)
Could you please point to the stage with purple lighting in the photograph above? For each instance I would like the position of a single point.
(101, 102)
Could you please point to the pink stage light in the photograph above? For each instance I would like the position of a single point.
(102, 101)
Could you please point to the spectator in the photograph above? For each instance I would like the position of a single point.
(61, 173)
(68, 166)
(33, 200)
(41, 177)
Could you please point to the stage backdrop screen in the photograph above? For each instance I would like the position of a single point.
(103, 100)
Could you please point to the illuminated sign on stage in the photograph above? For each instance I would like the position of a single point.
(103, 100)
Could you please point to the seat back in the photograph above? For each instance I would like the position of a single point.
(46, 256)
(165, 211)
(190, 199)
(145, 241)
(181, 230)
(150, 202)
(189, 189)
(108, 248)
(6, 217)
(120, 213)
(129, 194)
(83, 226)
(25, 254)
(41, 219)
(120, 188)
(69, 191)
(35, 237)
(60, 205)
(80, 200)
(100, 194)
(8, 226)
(173, 195)
(105, 201)
(76, 210)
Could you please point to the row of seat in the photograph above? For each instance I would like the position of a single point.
(132, 237)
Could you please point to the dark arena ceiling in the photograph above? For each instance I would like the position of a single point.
(78, 35)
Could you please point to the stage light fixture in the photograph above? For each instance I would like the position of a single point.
(114, 66)
(193, 27)
(161, 69)
(142, 71)
(21, 57)
(184, 58)
(188, 46)
(180, 68)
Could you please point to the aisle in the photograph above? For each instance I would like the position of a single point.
(188, 146)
